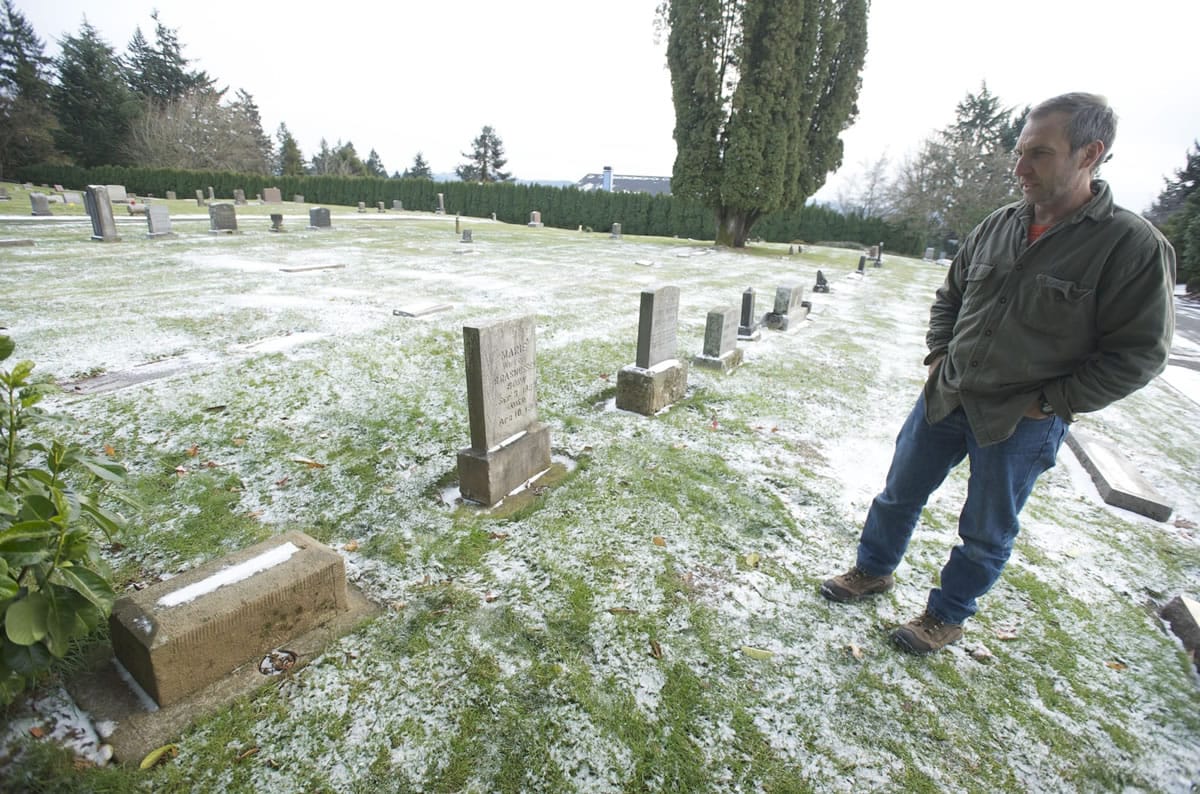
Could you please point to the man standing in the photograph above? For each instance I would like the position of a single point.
(1055, 305)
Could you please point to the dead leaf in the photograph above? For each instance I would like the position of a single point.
(659, 540)
(157, 756)
(181, 471)
(761, 654)
(1183, 523)
(775, 429)
(1006, 634)
(309, 462)
(193, 450)
(112, 453)
(214, 409)
(247, 754)
(351, 545)
(1117, 665)
(621, 611)
(856, 651)
(37, 732)
(656, 649)
(497, 536)
(211, 464)
(282, 482)
(239, 441)
(489, 597)
(254, 514)
(752, 559)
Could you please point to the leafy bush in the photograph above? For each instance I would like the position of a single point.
(54, 587)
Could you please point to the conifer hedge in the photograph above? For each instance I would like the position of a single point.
(562, 207)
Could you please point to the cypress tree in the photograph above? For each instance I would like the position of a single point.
(93, 105)
(762, 91)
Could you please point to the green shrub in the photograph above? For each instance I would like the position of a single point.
(54, 587)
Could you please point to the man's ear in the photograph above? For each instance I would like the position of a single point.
(1093, 155)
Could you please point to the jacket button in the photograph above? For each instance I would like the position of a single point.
(987, 333)
(974, 363)
(1003, 301)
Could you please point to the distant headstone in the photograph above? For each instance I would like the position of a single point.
(117, 194)
(199, 197)
(178, 636)
(272, 195)
(16, 242)
(508, 445)
(171, 195)
(535, 220)
(379, 207)
(362, 206)
(657, 378)
(4, 194)
(39, 204)
(466, 236)
(873, 252)
(239, 196)
(27, 185)
(787, 310)
(928, 257)
(748, 325)
(318, 218)
(212, 196)
(277, 222)
(862, 264)
(133, 208)
(822, 284)
(397, 204)
(298, 198)
(791, 250)
(158, 221)
(99, 209)
(59, 188)
(457, 224)
(222, 218)
(441, 205)
(616, 231)
(720, 341)
(493, 216)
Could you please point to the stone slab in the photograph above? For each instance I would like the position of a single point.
(180, 635)
(658, 321)
(1183, 615)
(720, 331)
(1119, 483)
(101, 690)
(309, 268)
(488, 476)
(648, 391)
(13, 243)
(421, 309)
(726, 362)
(98, 203)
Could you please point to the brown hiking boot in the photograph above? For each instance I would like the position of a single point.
(856, 584)
(926, 634)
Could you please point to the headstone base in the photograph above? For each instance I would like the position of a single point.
(726, 363)
(536, 225)
(782, 322)
(648, 391)
(488, 477)
(180, 635)
(157, 235)
(749, 334)
(97, 238)
(222, 231)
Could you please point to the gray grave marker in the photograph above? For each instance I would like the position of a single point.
(277, 222)
(158, 221)
(172, 196)
(273, 195)
(441, 205)
(466, 236)
(362, 206)
(298, 198)
(397, 204)
(788, 308)
(928, 257)
(657, 325)
(822, 284)
(508, 445)
(379, 207)
(748, 327)
(1119, 483)
(199, 197)
(117, 194)
(535, 220)
(720, 341)
(39, 204)
(99, 209)
(4, 194)
(318, 218)
(222, 219)
(212, 196)
(657, 378)
(616, 231)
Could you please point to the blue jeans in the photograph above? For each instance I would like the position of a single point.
(1002, 476)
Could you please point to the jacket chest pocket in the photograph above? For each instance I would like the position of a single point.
(980, 285)
(1057, 306)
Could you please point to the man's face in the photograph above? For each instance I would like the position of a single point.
(1046, 169)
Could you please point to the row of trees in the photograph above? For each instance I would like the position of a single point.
(92, 106)
(1176, 212)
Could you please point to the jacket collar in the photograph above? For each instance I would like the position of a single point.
(1098, 209)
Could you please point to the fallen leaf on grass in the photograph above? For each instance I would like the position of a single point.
(37, 732)
(1006, 634)
(247, 754)
(214, 409)
(1117, 665)
(283, 482)
(855, 651)
(193, 450)
(157, 756)
(497, 536)
(762, 654)
(1183, 523)
(659, 540)
(254, 514)
(621, 611)
(656, 649)
(752, 559)
(181, 471)
(112, 453)
(490, 597)
(309, 462)
(239, 441)
(211, 464)
(351, 545)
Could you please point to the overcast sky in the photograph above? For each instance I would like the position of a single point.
(574, 85)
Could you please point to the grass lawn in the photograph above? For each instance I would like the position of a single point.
(555, 645)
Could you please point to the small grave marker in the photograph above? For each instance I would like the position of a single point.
(397, 204)
(616, 231)
(379, 207)
(199, 197)
(239, 196)
(862, 264)
(748, 327)
(222, 219)
(720, 350)
(441, 205)
(535, 220)
(822, 284)
(657, 378)
(466, 236)
(362, 206)
(298, 198)
(273, 195)
(508, 445)
(928, 257)
(172, 195)
(788, 309)
(39, 204)
(117, 194)
(318, 218)
(1183, 614)
(277, 222)
(158, 221)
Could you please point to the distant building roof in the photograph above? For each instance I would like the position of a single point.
(653, 185)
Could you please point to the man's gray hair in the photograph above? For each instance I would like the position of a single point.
(1089, 119)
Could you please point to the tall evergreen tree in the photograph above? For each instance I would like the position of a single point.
(291, 161)
(485, 159)
(255, 146)
(160, 73)
(93, 105)
(26, 117)
(762, 91)
(1176, 191)
(419, 169)
(374, 165)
